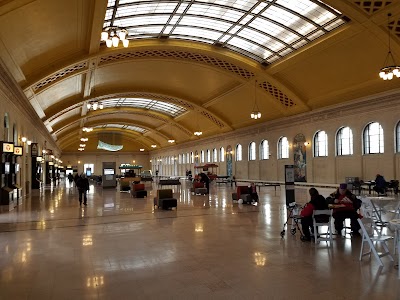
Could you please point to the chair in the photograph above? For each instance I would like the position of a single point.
(368, 229)
(322, 218)
(165, 199)
(242, 192)
(392, 186)
(138, 191)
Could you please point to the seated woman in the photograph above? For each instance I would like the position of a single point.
(317, 202)
(253, 192)
(349, 210)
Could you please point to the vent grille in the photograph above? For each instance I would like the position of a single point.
(181, 55)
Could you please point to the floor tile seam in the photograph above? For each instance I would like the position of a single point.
(106, 223)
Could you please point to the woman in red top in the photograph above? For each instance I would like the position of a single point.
(317, 202)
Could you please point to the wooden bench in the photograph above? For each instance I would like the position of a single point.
(170, 181)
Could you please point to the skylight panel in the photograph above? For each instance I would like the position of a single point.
(261, 39)
(143, 20)
(248, 46)
(205, 22)
(190, 31)
(198, 39)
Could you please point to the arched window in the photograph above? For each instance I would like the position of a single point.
(283, 148)
(238, 152)
(373, 138)
(215, 155)
(320, 144)
(222, 154)
(264, 150)
(252, 151)
(344, 141)
(208, 156)
(398, 137)
(202, 156)
(191, 158)
(188, 158)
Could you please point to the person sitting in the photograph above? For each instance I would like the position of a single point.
(253, 192)
(350, 205)
(380, 185)
(204, 178)
(317, 202)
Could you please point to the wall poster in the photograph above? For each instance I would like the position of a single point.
(300, 158)
(229, 161)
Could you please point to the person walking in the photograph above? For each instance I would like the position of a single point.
(82, 184)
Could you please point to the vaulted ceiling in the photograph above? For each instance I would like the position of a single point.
(191, 65)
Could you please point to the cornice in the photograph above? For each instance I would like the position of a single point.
(12, 91)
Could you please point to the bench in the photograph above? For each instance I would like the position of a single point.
(165, 199)
(170, 181)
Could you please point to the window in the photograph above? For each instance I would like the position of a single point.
(238, 152)
(373, 139)
(344, 141)
(188, 158)
(252, 151)
(398, 137)
(283, 148)
(208, 156)
(264, 150)
(215, 155)
(202, 156)
(222, 154)
(320, 144)
(191, 158)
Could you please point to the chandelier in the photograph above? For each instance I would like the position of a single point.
(81, 149)
(94, 105)
(198, 132)
(87, 129)
(113, 35)
(171, 141)
(389, 66)
(255, 114)
(84, 139)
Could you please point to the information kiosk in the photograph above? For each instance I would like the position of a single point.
(109, 177)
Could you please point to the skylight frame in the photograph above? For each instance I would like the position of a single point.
(151, 19)
(168, 108)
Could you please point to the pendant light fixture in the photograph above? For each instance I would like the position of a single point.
(390, 69)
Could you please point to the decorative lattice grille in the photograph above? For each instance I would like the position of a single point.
(372, 6)
(60, 74)
(394, 26)
(277, 94)
(181, 55)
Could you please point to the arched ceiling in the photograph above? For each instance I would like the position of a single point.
(191, 65)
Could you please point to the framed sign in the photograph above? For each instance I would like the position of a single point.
(34, 149)
(8, 148)
(18, 150)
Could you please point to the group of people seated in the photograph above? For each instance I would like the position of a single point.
(347, 210)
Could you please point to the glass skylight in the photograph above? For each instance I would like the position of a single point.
(127, 127)
(170, 109)
(263, 30)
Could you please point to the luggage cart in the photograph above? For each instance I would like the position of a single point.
(293, 218)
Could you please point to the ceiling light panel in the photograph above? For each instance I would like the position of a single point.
(254, 28)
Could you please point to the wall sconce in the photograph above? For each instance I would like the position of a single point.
(79, 161)
(23, 139)
(141, 149)
(44, 151)
(306, 143)
(29, 143)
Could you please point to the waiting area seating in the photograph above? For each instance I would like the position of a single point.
(169, 181)
(165, 199)
(198, 188)
(242, 192)
(138, 190)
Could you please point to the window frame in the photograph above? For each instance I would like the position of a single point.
(282, 148)
(367, 139)
(238, 154)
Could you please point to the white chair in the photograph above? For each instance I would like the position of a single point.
(368, 230)
(318, 223)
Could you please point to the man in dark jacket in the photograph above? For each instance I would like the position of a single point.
(82, 184)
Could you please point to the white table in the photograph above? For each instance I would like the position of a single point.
(380, 205)
(396, 224)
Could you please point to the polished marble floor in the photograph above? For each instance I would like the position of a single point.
(119, 247)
